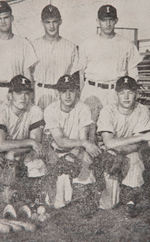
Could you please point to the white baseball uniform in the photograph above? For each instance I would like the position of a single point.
(16, 56)
(54, 60)
(71, 124)
(121, 125)
(103, 62)
(19, 127)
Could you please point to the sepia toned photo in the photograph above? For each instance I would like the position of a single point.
(74, 121)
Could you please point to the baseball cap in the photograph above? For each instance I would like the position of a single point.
(126, 82)
(50, 11)
(68, 82)
(107, 11)
(20, 83)
(4, 7)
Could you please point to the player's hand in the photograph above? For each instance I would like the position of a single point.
(87, 158)
(10, 155)
(91, 148)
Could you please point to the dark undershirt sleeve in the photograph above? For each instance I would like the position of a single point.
(37, 125)
(3, 127)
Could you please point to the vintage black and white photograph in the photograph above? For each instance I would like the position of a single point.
(74, 121)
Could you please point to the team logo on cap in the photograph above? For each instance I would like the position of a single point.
(108, 9)
(125, 80)
(23, 81)
(66, 79)
(50, 9)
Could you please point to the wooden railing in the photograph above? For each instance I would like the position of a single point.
(144, 80)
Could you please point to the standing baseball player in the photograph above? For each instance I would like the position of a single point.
(106, 57)
(16, 54)
(57, 56)
(124, 127)
(68, 121)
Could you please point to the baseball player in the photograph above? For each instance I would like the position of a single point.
(21, 125)
(124, 127)
(57, 56)
(16, 53)
(68, 120)
(20, 121)
(106, 57)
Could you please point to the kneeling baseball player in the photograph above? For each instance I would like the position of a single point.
(68, 121)
(124, 127)
(21, 125)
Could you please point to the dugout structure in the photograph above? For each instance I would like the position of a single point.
(144, 71)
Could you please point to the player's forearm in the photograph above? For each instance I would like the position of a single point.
(8, 145)
(68, 143)
(92, 133)
(120, 142)
(81, 79)
(19, 151)
(127, 149)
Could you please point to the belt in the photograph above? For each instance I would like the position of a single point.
(4, 84)
(102, 85)
(44, 85)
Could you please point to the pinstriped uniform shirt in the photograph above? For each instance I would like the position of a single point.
(54, 59)
(16, 56)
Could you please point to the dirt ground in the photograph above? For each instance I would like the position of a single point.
(71, 224)
(66, 225)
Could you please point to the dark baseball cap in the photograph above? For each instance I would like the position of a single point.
(65, 82)
(50, 11)
(4, 7)
(126, 82)
(20, 83)
(107, 11)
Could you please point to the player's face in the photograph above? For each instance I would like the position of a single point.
(21, 99)
(107, 25)
(68, 97)
(126, 98)
(51, 26)
(6, 20)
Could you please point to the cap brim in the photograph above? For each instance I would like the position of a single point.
(64, 87)
(54, 86)
(20, 89)
(119, 89)
(107, 16)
